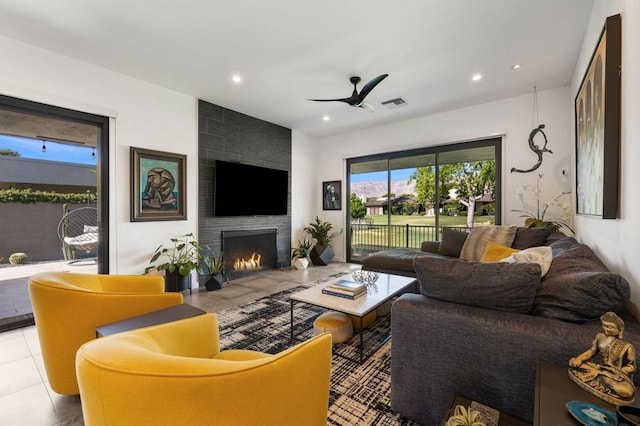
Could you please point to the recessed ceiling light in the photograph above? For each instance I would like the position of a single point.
(516, 66)
(236, 78)
(476, 77)
(326, 118)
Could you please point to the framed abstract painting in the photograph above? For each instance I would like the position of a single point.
(597, 121)
(158, 185)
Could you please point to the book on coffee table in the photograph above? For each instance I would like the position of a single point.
(342, 293)
(351, 286)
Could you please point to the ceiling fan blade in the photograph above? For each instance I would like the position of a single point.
(347, 100)
(370, 85)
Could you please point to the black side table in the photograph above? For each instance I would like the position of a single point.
(554, 389)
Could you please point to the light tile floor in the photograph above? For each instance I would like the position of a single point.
(25, 395)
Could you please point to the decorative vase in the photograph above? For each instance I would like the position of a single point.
(214, 282)
(321, 255)
(301, 263)
(175, 282)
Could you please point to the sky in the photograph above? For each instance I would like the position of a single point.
(32, 148)
(402, 174)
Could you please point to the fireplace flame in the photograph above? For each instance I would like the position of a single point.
(250, 264)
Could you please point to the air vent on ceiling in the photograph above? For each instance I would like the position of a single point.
(394, 103)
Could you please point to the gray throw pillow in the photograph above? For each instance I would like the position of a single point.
(452, 242)
(578, 286)
(507, 287)
(530, 237)
(476, 243)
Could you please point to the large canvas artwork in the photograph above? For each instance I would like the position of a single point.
(158, 185)
(597, 118)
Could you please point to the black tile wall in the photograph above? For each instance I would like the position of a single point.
(228, 135)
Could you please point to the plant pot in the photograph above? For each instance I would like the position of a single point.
(321, 255)
(301, 263)
(214, 282)
(175, 282)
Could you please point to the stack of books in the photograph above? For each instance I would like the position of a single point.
(346, 289)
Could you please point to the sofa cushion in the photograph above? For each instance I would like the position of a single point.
(540, 255)
(495, 252)
(530, 237)
(452, 242)
(393, 259)
(578, 286)
(507, 287)
(477, 240)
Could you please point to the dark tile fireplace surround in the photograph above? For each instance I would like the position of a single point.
(228, 135)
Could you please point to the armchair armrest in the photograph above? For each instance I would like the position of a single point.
(132, 283)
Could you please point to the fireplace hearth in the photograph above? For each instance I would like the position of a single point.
(250, 251)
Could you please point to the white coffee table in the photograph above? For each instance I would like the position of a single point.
(387, 287)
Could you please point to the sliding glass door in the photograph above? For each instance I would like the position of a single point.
(400, 199)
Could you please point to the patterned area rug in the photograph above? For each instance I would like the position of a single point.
(359, 395)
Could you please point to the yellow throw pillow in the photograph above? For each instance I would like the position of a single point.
(496, 252)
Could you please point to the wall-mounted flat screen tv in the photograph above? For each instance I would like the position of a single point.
(244, 190)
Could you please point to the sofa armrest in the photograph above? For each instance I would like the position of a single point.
(430, 246)
(441, 348)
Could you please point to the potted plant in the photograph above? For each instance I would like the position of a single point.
(322, 232)
(179, 261)
(300, 254)
(214, 265)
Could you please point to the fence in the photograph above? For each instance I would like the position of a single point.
(369, 238)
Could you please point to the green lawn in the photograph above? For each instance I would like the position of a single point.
(429, 220)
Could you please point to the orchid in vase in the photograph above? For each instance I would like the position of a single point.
(540, 217)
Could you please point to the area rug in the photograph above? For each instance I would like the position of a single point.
(360, 393)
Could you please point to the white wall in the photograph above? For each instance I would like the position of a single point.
(303, 173)
(616, 241)
(143, 115)
(512, 118)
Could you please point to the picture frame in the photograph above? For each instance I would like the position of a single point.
(332, 195)
(158, 185)
(597, 127)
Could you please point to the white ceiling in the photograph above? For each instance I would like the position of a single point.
(288, 51)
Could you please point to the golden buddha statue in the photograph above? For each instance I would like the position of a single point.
(611, 381)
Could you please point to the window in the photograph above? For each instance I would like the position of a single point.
(400, 199)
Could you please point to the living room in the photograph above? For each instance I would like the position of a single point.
(143, 114)
(149, 116)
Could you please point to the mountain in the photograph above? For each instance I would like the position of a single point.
(379, 188)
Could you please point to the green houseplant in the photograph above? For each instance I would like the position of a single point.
(214, 266)
(322, 232)
(179, 260)
(300, 254)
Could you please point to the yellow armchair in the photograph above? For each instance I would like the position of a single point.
(67, 308)
(175, 374)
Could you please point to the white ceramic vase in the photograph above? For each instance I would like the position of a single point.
(301, 263)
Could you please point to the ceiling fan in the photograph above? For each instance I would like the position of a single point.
(357, 99)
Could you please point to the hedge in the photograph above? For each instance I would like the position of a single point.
(28, 196)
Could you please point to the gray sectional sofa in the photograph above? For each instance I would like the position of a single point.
(477, 329)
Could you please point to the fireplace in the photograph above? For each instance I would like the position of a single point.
(249, 252)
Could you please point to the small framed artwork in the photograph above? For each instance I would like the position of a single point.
(158, 185)
(331, 195)
(597, 121)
